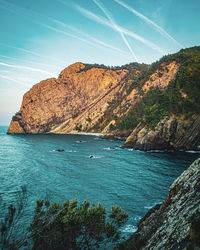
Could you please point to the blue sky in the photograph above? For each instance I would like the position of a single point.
(40, 38)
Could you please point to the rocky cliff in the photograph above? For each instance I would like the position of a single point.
(174, 224)
(83, 100)
(71, 103)
(171, 133)
(157, 105)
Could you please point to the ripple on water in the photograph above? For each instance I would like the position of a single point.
(132, 179)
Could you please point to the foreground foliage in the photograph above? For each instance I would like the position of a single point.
(73, 226)
(10, 225)
(67, 226)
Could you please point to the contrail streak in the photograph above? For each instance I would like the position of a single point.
(69, 34)
(103, 21)
(26, 68)
(149, 21)
(95, 40)
(26, 61)
(13, 80)
(116, 27)
(100, 43)
(31, 52)
(16, 76)
(103, 45)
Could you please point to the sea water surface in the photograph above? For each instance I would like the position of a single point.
(89, 167)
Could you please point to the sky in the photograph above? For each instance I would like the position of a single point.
(42, 37)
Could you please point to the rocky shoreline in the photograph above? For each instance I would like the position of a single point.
(174, 224)
(170, 134)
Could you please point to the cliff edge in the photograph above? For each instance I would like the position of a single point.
(174, 224)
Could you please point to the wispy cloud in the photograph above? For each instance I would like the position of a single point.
(105, 11)
(26, 68)
(28, 51)
(28, 61)
(150, 22)
(14, 80)
(95, 41)
(103, 21)
(31, 16)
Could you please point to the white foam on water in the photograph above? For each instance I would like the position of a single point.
(97, 138)
(129, 229)
(93, 134)
(153, 205)
(192, 152)
(158, 151)
(109, 148)
(112, 148)
(95, 156)
(137, 218)
(148, 207)
(65, 151)
(80, 141)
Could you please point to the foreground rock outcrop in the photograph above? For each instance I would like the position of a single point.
(174, 224)
(171, 133)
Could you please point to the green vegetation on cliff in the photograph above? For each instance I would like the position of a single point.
(129, 66)
(181, 97)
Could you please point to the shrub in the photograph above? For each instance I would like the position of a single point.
(73, 226)
(78, 127)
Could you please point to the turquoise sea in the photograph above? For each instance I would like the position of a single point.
(89, 167)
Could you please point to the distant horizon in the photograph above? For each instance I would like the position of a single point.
(41, 38)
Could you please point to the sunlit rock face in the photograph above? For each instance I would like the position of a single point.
(77, 97)
(15, 128)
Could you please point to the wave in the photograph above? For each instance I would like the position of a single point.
(97, 138)
(192, 152)
(153, 205)
(137, 218)
(129, 229)
(80, 141)
(112, 148)
(93, 134)
(109, 148)
(95, 156)
(66, 151)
